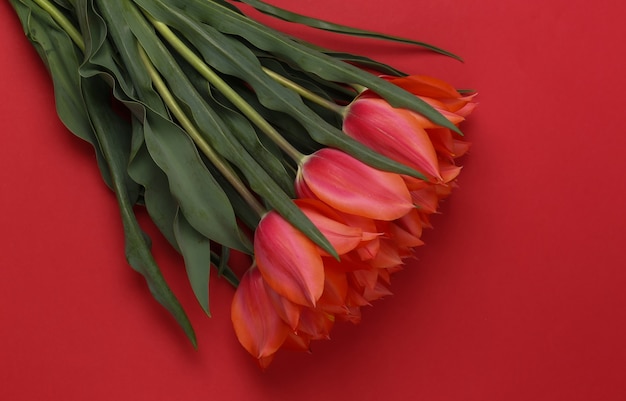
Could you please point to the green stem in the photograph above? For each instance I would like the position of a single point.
(197, 137)
(60, 19)
(305, 93)
(214, 79)
(358, 88)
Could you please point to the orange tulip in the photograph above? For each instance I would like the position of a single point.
(258, 326)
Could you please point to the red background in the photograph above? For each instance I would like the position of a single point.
(519, 293)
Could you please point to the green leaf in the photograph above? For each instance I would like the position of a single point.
(225, 272)
(103, 60)
(330, 91)
(202, 200)
(64, 3)
(230, 56)
(217, 133)
(223, 265)
(365, 62)
(196, 251)
(289, 16)
(229, 22)
(61, 59)
(159, 202)
(137, 249)
(84, 111)
(242, 129)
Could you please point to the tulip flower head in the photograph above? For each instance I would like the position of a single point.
(395, 133)
(288, 260)
(258, 326)
(351, 186)
(405, 136)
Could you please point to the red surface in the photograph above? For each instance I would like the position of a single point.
(519, 293)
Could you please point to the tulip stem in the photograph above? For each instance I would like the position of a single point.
(197, 137)
(214, 79)
(63, 22)
(359, 88)
(305, 93)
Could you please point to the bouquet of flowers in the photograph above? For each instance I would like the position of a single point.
(323, 167)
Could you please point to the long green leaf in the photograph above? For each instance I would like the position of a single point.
(242, 129)
(216, 132)
(289, 16)
(85, 112)
(201, 199)
(196, 251)
(137, 249)
(232, 57)
(160, 202)
(103, 60)
(229, 22)
(162, 207)
(60, 58)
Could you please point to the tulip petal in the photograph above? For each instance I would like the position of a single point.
(346, 264)
(351, 186)
(342, 237)
(368, 248)
(289, 262)
(333, 299)
(459, 148)
(412, 223)
(423, 85)
(265, 361)
(442, 142)
(450, 172)
(298, 342)
(396, 133)
(377, 292)
(387, 256)
(426, 200)
(404, 238)
(427, 124)
(258, 327)
(467, 106)
(316, 324)
(287, 310)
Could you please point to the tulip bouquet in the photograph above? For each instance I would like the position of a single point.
(323, 167)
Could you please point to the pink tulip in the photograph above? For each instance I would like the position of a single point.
(351, 186)
(395, 133)
(288, 260)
